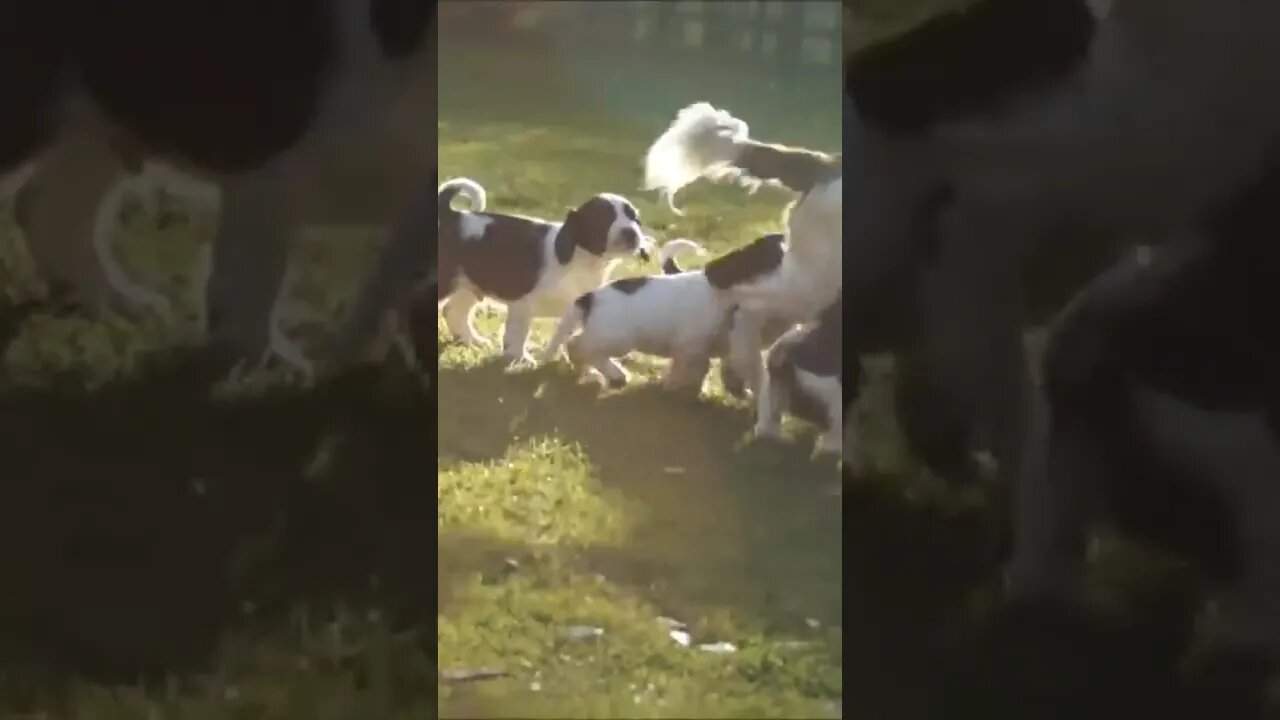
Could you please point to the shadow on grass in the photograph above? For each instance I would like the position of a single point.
(141, 520)
(913, 580)
(721, 524)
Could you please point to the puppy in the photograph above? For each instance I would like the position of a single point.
(686, 316)
(536, 267)
(806, 377)
(1161, 380)
(703, 141)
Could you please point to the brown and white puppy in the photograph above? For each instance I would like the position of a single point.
(536, 267)
(806, 378)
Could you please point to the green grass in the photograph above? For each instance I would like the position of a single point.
(564, 507)
(165, 553)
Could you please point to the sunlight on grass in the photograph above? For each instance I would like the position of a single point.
(564, 507)
(543, 492)
(575, 646)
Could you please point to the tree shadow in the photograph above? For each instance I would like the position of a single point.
(140, 518)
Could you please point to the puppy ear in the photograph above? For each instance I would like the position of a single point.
(565, 241)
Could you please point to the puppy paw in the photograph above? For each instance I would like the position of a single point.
(523, 361)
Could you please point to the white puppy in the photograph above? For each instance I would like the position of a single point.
(686, 316)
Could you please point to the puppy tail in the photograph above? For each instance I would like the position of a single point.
(466, 187)
(706, 142)
(700, 141)
(672, 249)
(573, 318)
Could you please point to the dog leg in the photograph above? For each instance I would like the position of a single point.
(577, 356)
(398, 274)
(515, 335)
(614, 374)
(1052, 508)
(771, 401)
(250, 259)
(459, 311)
(830, 395)
(686, 373)
(745, 353)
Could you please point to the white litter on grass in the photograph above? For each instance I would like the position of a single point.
(681, 637)
(719, 648)
(583, 632)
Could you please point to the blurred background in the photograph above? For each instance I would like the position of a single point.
(639, 61)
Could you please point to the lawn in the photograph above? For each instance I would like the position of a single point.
(165, 553)
(577, 527)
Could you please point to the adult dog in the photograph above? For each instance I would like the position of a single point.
(295, 111)
(705, 142)
(536, 267)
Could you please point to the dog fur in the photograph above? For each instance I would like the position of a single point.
(806, 375)
(686, 316)
(1161, 379)
(536, 267)
(704, 141)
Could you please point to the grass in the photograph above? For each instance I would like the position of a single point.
(564, 511)
(169, 553)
